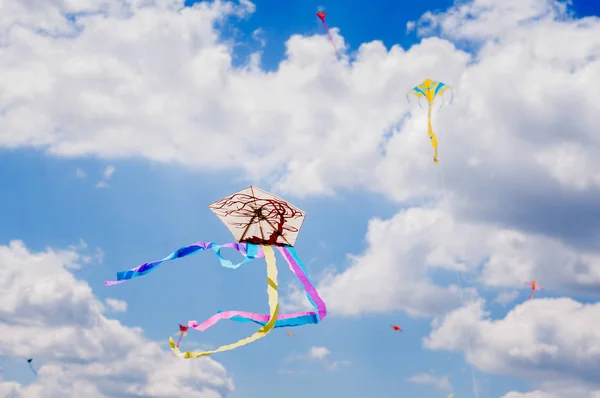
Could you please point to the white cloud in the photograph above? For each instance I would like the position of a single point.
(556, 345)
(187, 90)
(392, 274)
(338, 365)
(506, 297)
(441, 383)
(48, 314)
(259, 35)
(571, 164)
(116, 305)
(517, 147)
(533, 394)
(572, 392)
(108, 172)
(517, 257)
(113, 107)
(79, 173)
(487, 19)
(319, 353)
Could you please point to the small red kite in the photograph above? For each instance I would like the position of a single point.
(321, 14)
(182, 333)
(534, 287)
(397, 328)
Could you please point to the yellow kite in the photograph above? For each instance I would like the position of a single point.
(429, 89)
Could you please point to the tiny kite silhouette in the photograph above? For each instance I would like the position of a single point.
(397, 328)
(182, 333)
(534, 286)
(29, 362)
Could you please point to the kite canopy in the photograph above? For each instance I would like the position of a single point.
(430, 89)
(255, 216)
(258, 220)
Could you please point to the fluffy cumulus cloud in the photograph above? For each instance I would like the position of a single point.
(442, 383)
(393, 273)
(47, 314)
(506, 297)
(152, 79)
(514, 196)
(322, 355)
(319, 355)
(553, 342)
(116, 305)
(156, 82)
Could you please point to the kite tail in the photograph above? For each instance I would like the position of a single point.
(179, 340)
(273, 294)
(249, 251)
(296, 318)
(331, 39)
(298, 268)
(432, 136)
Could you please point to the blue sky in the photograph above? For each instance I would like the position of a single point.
(151, 207)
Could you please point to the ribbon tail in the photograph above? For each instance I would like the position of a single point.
(298, 318)
(250, 252)
(273, 294)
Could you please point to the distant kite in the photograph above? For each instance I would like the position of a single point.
(534, 287)
(31, 366)
(321, 14)
(182, 333)
(430, 89)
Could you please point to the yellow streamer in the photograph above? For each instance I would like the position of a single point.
(429, 89)
(432, 137)
(273, 293)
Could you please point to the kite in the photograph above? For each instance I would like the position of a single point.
(321, 14)
(430, 89)
(397, 328)
(259, 221)
(290, 334)
(451, 396)
(31, 366)
(534, 287)
(182, 333)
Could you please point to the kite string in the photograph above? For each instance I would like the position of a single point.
(331, 39)
(445, 198)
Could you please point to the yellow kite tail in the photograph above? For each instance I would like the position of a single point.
(264, 330)
(432, 137)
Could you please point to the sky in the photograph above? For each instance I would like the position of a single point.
(120, 122)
